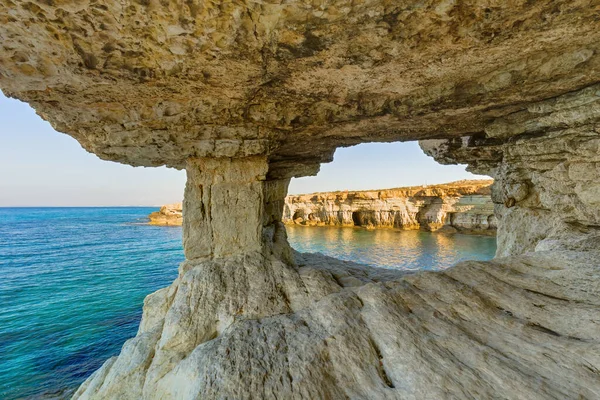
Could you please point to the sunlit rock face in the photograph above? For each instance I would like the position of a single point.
(168, 215)
(245, 95)
(464, 206)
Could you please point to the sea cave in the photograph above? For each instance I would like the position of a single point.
(245, 95)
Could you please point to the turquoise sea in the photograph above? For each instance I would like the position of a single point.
(72, 282)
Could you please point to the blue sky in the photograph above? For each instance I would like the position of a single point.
(41, 167)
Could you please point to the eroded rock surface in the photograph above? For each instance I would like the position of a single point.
(245, 95)
(546, 171)
(248, 319)
(522, 327)
(157, 82)
(464, 206)
(168, 215)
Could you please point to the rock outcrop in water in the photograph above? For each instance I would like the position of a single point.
(245, 95)
(168, 215)
(464, 206)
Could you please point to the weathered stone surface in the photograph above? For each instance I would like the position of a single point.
(251, 323)
(168, 215)
(520, 327)
(546, 189)
(247, 94)
(157, 82)
(231, 208)
(464, 205)
(523, 326)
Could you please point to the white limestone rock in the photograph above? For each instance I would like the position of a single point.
(472, 331)
(464, 205)
(247, 94)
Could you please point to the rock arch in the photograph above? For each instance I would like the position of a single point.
(246, 95)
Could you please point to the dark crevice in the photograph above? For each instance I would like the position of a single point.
(381, 369)
(549, 296)
(356, 218)
(507, 312)
(335, 278)
(543, 329)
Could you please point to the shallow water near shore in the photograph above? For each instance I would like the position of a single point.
(73, 280)
(392, 248)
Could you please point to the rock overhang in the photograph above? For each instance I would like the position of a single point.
(157, 82)
(241, 91)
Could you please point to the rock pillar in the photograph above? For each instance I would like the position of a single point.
(231, 208)
(241, 322)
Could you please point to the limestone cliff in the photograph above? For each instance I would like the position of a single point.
(168, 215)
(465, 206)
(246, 94)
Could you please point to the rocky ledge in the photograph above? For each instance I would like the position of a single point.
(465, 206)
(168, 215)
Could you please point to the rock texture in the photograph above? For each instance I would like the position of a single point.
(545, 160)
(464, 206)
(523, 327)
(168, 215)
(157, 82)
(247, 94)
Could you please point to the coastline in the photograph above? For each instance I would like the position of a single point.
(462, 206)
(456, 207)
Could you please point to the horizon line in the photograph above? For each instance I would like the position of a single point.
(96, 206)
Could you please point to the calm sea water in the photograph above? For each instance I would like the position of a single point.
(73, 280)
(407, 250)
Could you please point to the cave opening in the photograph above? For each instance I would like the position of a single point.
(356, 218)
(403, 202)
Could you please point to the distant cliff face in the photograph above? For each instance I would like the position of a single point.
(464, 206)
(169, 214)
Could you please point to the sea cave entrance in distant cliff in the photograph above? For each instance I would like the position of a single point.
(393, 195)
(297, 215)
(356, 218)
